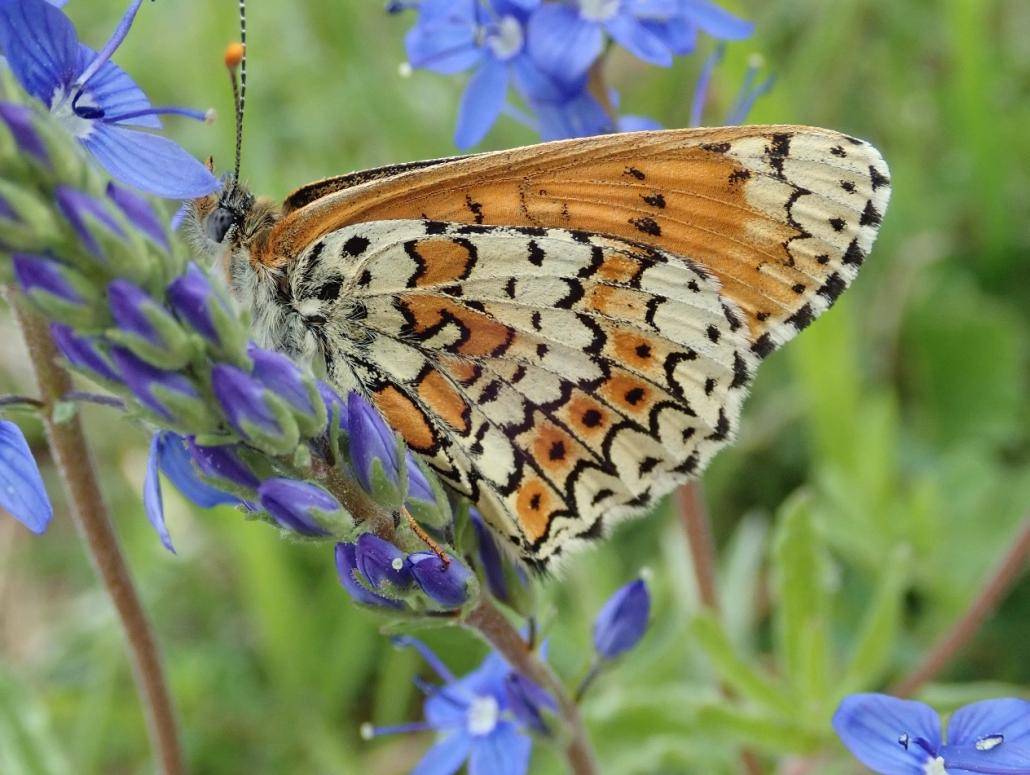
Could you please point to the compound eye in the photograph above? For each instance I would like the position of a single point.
(219, 223)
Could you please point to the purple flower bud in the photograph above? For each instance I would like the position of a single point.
(490, 557)
(192, 297)
(298, 505)
(77, 207)
(127, 303)
(248, 407)
(139, 212)
(622, 620)
(334, 405)
(82, 353)
(19, 120)
(445, 582)
(142, 379)
(381, 561)
(36, 272)
(280, 374)
(370, 440)
(6, 212)
(346, 567)
(223, 463)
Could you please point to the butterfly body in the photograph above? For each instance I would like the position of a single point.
(564, 332)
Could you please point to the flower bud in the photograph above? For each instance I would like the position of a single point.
(300, 506)
(168, 394)
(88, 217)
(199, 305)
(58, 290)
(256, 413)
(18, 119)
(347, 569)
(623, 620)
(448, 583)
(146, 328)
(83, 354)
(177, 463)
(373, 451)
(139, 213)
(223, 464)
(380, 561)
(489, 557)
(280, 375)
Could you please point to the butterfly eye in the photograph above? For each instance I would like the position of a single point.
(219, 223)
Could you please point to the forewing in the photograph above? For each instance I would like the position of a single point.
(562, 380)
(782, 216)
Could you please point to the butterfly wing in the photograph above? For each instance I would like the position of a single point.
(562, 380)
(782, 216)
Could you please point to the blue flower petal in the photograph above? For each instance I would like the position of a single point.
(153, 504)
(482, 102)
(633, 36)
(346, 567)
(638, 124)
(1008, 718)
(505, 751)
(679, 34)
(22, 493)
(41, 46)
(871, 725)
(115, 92)
(444, 40)
(716, 21)
(563, 43)
(623, 619)
(150, 163)
(446, 756)
(532, 82)
(175, 462)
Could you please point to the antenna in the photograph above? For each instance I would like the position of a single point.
(236, 57)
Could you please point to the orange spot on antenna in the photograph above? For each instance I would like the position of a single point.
(234, 55)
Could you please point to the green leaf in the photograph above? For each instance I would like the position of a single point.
(876, 637)
(739, 674)
(782, 735)
(800, 618)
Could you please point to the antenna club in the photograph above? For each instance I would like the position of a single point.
(234, 54)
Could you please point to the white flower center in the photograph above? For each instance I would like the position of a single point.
(598, 10)
(507, 40)
(483, 715)
(935, 767)
(61, 109)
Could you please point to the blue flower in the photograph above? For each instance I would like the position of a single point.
(622, 620)
(222, 463)
(255, 412)
(474, 719)
(902, 737)
(85, 214)
(280, 374)
(139, 212)
(380, 561)
(97, 101)
(22, 494)
(82, 353)
(566, 38)
(456, 35)
(19, 120)
(168, 394)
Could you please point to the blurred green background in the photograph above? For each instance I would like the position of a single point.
(881, 468)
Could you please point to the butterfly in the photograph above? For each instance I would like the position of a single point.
(564, 332)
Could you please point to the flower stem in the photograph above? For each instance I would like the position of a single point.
(1006, 572)
(698, 528)
(493, 627)
(71, 453)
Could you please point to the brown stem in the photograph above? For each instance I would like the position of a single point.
(698, 528)
(1007, 571)
(699, 541)
(71, 453)
(492, 625)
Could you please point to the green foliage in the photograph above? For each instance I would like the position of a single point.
(882, 466)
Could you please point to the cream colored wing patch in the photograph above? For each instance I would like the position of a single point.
(562, 380)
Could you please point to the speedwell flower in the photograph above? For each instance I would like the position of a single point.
(474, 718)
(903, 737)
(97, 101)
(22, 494)
(456, 35)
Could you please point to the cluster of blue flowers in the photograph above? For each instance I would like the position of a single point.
(545, 51)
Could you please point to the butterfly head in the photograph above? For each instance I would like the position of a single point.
(223, 225)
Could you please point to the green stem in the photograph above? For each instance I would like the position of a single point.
(75, 465)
